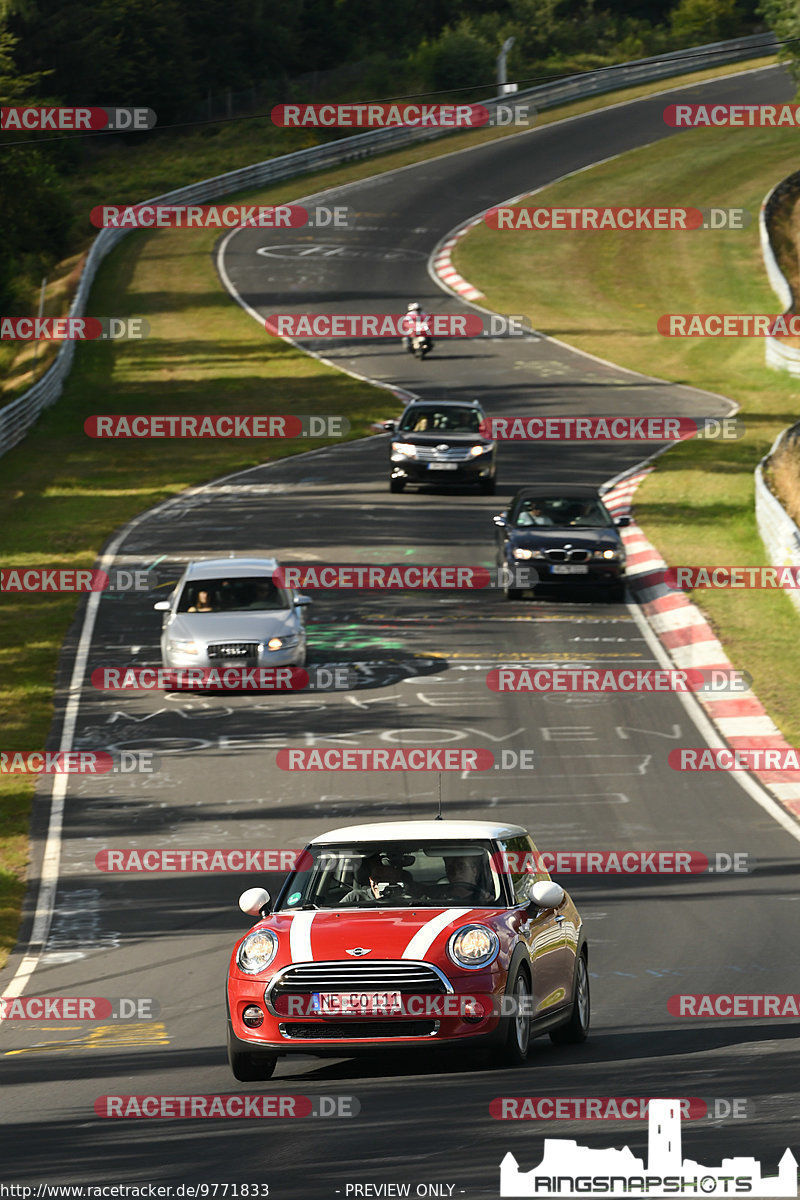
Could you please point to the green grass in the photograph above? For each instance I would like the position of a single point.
(603, 292)
(62, 495)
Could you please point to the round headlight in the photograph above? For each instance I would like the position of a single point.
(476, 450)
(473, 946)
(257, 951)
(521, 552)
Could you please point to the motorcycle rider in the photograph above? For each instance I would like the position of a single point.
(416, 324)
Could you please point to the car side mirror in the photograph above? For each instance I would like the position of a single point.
(546, 895)
(390, 426)
(162, 606)
(301, 601)
(622, 522)
(255, 902)
(500, 520)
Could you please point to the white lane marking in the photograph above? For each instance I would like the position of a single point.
(300, 937)
(424, 938)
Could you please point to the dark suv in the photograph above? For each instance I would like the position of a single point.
(439, 442)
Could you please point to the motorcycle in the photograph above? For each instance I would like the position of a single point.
(421, 344)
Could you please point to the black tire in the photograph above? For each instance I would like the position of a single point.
(516, 1043)
(616, 593)
(513, 593)
(396, 485)
(488, 487)
(577, 1028)
(248, 1067)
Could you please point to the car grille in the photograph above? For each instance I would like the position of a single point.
(372, 1030)
(574, 556)
(416, 979)
(233, 650)
(451, 454)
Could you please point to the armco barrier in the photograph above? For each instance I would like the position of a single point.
(780, 535)
(18, 416)
(778, 355)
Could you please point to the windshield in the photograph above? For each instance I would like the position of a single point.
(439, 420)
(396, 875)
(562, 512)
(243, 594)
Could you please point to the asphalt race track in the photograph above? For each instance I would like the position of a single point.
(601, 778)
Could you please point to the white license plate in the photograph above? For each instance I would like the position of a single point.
(442, 466)
(356, 1004)
(569, 569)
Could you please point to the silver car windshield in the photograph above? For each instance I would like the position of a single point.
(396, 875)
(239, 594)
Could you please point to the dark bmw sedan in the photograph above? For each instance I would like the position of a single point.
(440, 443)
(567, 535)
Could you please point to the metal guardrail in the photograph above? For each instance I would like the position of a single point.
(19, 415)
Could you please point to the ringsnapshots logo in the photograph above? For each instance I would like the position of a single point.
(73, 329)
(569, 1170)
(385, 115)
(78, 120)
(225, 426)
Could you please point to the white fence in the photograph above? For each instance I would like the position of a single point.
(18, 416)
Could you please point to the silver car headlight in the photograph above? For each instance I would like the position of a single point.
(473, 946)
(405, 448)
(257, 951)
(184, 647)
(281, 643)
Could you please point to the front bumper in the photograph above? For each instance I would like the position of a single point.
(287, 656)
(597, 574)
(470, 470)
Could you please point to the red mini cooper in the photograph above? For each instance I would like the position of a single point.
(402, 934)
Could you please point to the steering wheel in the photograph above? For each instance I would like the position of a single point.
(474, 890)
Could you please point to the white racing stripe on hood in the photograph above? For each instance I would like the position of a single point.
(427, 934)
(300, 937)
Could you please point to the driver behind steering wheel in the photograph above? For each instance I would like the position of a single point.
(464, 878)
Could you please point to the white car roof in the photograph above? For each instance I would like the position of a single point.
(230, 568)
(400, 831)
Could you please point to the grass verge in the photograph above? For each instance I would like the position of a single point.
(604, 292)
(62, 495)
